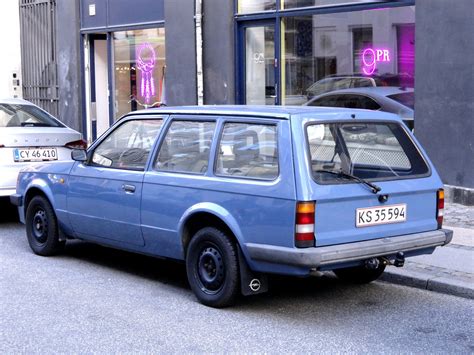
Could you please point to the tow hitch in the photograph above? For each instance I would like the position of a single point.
(398, 261)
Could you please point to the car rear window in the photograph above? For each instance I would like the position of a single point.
(406, 99)
(26, 116)
(374, 151)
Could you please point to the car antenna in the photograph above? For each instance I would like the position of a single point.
(353, 115)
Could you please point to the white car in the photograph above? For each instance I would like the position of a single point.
(397, 100)
(29, 135)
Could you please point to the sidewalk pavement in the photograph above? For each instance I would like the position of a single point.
(450, 269)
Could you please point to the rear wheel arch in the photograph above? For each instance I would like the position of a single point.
(200, 220)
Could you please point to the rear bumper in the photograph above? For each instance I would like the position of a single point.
(342, 253)
(7, 191)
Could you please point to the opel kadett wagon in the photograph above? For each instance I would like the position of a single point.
(240, 192)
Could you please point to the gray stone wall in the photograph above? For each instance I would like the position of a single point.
(180, 53)
(68, 41)
(444, 87)
(218, 38)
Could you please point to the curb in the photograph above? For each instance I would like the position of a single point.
(458, 194)
(440, 284)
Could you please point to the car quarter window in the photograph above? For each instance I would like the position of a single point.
(248, 150)
(186, 147)
(128, 146)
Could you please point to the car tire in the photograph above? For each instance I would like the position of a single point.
(212, 268)
(359, 274)
(42, 228)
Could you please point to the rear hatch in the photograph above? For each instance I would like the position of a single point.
(20, 146)
(369, 181)
(28, 134)
(14, 137)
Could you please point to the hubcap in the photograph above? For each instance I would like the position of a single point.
(211, 269)
(40, 226)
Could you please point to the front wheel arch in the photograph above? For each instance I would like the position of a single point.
(30, 194)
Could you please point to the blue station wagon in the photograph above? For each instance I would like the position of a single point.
(240, 192)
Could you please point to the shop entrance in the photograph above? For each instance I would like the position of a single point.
(259, 84)
(98, 115)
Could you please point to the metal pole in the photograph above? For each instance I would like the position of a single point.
(199, 60)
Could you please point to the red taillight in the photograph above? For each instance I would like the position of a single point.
(79, 144)
(304, 229)
(440, 208)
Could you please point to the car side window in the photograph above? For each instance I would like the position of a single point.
(368, 103)
(329, 101)
(248, 150)
(361, 82)
(128, 146)
(186, 147)
(348, 101)
(358, 101)
(342, 83)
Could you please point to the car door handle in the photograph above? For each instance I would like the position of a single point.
(129, 188)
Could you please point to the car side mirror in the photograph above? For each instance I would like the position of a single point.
(79, 155)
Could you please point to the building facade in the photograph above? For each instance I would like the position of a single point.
(10, 68)
(116, 56)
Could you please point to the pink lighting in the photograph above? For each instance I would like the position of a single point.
(370, 58)
(146, 63)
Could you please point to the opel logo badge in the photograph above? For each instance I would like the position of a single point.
(255, 285)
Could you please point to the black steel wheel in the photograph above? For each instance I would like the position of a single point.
(360, 274)
(42, 227)
(212, 268)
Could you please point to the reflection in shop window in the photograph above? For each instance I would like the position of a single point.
(362, 45)
(248, 6)
(291, 4)
(140, 66)
(328, 52)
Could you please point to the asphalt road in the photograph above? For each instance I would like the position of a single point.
(94, 299)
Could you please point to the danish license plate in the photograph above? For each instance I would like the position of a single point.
(372, 216)
(35, 154)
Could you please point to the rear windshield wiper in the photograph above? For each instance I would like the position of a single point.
(339, 173)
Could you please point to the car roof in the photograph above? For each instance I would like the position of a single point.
(14, 101)
(372, 90)
(281, 112)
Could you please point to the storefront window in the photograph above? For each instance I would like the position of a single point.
(324, 53)
(291, 4)
(248, 6)
(139, 70)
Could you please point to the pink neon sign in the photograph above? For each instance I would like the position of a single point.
(146, 63)
(372, 56)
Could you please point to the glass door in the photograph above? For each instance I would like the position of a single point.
(96, 67)
(259, 82)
